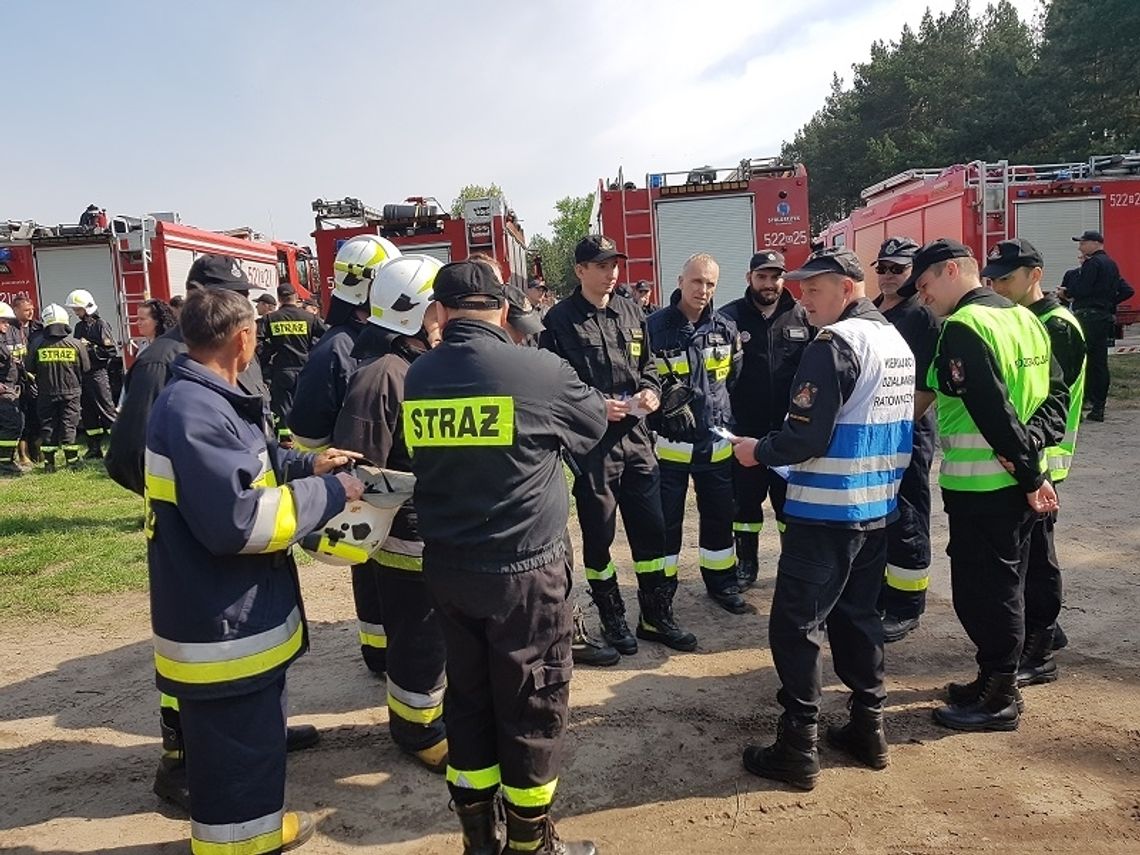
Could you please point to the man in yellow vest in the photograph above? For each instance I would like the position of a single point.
(991, 373)
(1015, 268)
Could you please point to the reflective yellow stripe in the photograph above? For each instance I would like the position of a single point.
(781, 527)
(167, 702)
(459, 422)
(680, 365)
(308, 444)
(253, 837)
(721, 450)
(671, 562)
(902, 579)
(93, 431)
(674, 452)
(601, 575)
(653, 565)
(523, 845)
(373, 635)
(350, 552)
(289, 328)
(202, 663)
(539, 796)
(718, 559)
(275, 521)
(474, 779)
(159, 483)
(746, 526)
(415, 715)
(400, 562)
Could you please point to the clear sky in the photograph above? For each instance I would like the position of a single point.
(242, 113)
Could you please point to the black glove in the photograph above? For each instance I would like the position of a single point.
(675, 419)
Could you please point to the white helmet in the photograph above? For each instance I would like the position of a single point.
(6, 313)
(354, 535)
(80, 299)
(357, 262)
(401, 292)
(54, 313)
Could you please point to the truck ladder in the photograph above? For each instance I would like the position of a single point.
(991, 182)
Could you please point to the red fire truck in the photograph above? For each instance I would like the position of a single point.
(982, 203)
(131, 261)
(421, 226)
(730, 213)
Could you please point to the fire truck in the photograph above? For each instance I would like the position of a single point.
(420, 225)
(762, 203)
(133, 260)
(982, 203)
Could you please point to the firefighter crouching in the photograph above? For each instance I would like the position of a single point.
(224, 504)
(97, 405)
(697, 353)
(11, 416)
(846, 444)
(369, 422)
(485, 422)
(58, 362)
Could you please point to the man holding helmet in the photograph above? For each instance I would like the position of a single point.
(96, 403)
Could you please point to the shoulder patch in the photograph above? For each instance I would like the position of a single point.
(824, 335)
(957, 372)
(804, 397)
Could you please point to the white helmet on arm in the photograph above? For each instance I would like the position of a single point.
(357, 262)
(401, 292)
(353, 535)
(81, 299)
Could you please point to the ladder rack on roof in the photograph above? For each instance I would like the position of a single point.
(346, 209)
(905, 177)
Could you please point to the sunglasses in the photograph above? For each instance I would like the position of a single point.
(890, 268)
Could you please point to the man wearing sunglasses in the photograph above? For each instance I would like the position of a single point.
(902, 599)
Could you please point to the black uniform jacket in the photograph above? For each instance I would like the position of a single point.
(290, 335)
(1067, 341)
(322, 384)
(58, 362)
(1096, 287)
(919, 328)
(100, 338)
(486, 422)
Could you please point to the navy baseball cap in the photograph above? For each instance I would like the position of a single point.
(833, 259)
(596, 248)
(898, 250)
(767, 258)
(1090, 234)
(521, 313)
(942, 249)
(1008, 255)
(468, 285)
(218, 271)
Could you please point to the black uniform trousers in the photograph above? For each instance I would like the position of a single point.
(830, 574)
(370, 616)
(282, 387)
(907, 575)
(59, 422)
(29, 403)
(1043, 589)
(235, 767)
(11, 425)
(416, 658)
(716, 508)
(1098, 326)
(989, 556)
(97, 405)
(622, 474)
(509, 665)
(751, 485)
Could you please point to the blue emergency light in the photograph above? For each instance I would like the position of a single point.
(5, 254)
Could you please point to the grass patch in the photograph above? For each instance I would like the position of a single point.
(1125, 372)
(66, 536)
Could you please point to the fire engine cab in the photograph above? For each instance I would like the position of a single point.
(420, 225)
(981, 203)
(729, 213)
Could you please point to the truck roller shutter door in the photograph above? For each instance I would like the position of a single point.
(722, 226)
(439, 251)
(178, 264)
(62, 269)
(1050, 226)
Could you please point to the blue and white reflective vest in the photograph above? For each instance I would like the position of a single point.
(857, 479)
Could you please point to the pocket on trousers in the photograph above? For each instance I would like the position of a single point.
(551, 675)
(803, 569)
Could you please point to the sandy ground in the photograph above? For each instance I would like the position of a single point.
(655, 742)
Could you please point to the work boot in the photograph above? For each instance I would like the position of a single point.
(298, 737)
(862, 737)
(729, 599)
(897, 628)
(94, 448)
(1037, 663)
(71, 456)
(1060, 640)
(793, 758)
(35, 450)
(656, 622)
(996, 708)
(611, 609)
(171, 784)
(480, 830)
(964, 694)
(1096, 414)
(747, 558)
(49, 461)
(296, 827)
(433, 758)
(13, 466)
(588, 650)
(537, 835)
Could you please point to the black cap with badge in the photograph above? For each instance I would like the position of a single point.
(1090, 234)
(1008, 255)
(218, 271)
(833, 259)
(521, 313)
(767, 258)
(942, 249)
(267, 299)
(468, 285)
(596, 248)
(898, 250)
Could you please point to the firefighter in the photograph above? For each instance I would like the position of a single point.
(643, 296)
(845, 445)
(485, 422)
(697, 352)
(59, 363)
(290, 335)
(11, 382)
(369, 422)
(604, 340)
(321, 387)
(991, 372)
(97, 403)
(774, 332)
(1094, 296)
(224, 504)
(1015, 269)
(21, 333)
(902, 599)
(264, 304)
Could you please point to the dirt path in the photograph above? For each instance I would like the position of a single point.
(655, 742)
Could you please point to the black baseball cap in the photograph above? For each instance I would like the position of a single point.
(218, 271)
(284, 291)
(642, 286)
(468, 285)
(268, 299)
(898, 250)
(833, 259)
(1090, 234)
(596, 248)
(537, 283)
(942, 249)
(521, 313)
(1008, 255)
(767, 258)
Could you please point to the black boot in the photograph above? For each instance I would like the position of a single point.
(996, 708)
(71, 455)
(49, 460)
(588, 650)
(747, 558)
(170, 781)
(656, 622)
(964, 694)
(611, 609)
(1060, 640)
(862, 737)
(793, 758)
(480, 830)
(897, 628)
(537, 835)
(1037, 663)
(94, 448)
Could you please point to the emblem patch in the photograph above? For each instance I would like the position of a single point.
(957, 372)
(746, 336)
(804, 398)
